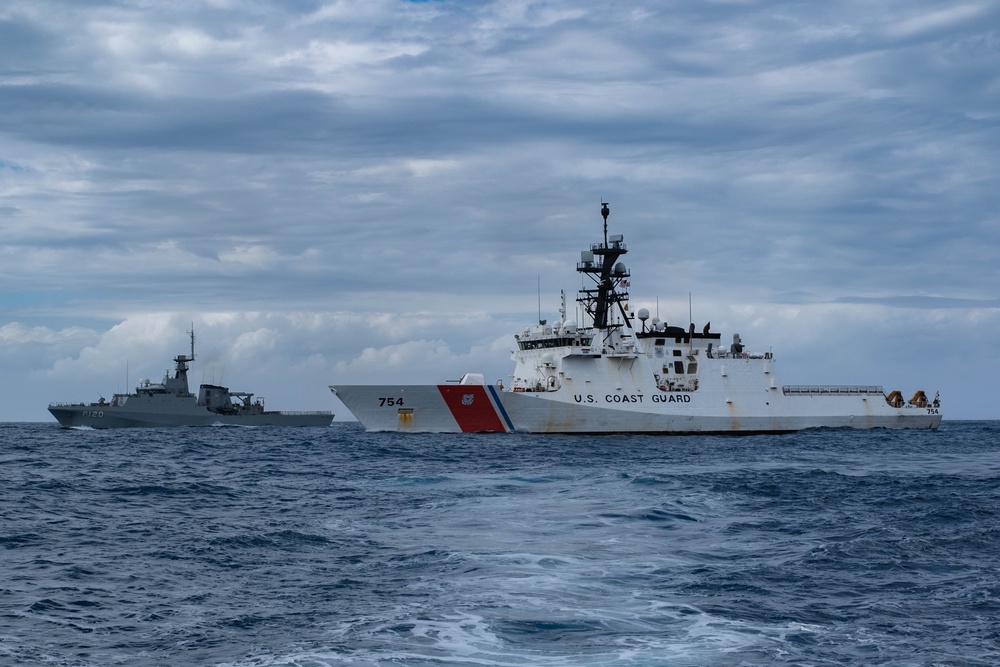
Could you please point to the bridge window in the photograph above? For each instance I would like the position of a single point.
(544, 343)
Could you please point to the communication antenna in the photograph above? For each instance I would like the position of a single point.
(605, 212)
(540, 321)
(690, 325)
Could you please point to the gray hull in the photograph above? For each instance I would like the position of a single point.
(175, 412)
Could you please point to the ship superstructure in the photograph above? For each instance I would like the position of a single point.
(607, 376)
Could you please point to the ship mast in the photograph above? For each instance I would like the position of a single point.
(609, 275)
(605, 212)
(181, 361)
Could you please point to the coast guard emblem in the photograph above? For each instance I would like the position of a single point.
(467, 399)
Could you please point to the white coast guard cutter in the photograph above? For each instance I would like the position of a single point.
(609, 377)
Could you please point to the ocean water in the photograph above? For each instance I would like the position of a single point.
(331, 546)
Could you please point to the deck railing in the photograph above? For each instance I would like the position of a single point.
(819, 390)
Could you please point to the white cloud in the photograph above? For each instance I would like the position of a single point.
(374, 189)
(938, 19)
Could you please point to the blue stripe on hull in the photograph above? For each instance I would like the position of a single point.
(499, 404)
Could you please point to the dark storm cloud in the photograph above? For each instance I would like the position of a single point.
(385, 183)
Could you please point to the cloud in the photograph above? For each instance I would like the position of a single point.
(934, 20)
(350, 190)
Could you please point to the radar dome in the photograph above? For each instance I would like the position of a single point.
(643, 314)
(569, 326)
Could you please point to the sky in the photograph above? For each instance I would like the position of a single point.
(369, 191)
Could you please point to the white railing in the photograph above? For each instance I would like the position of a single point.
(819, 390)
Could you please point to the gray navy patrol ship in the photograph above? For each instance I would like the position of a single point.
(170, 403)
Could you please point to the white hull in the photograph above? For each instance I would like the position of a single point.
(428, 412)
(456, 408)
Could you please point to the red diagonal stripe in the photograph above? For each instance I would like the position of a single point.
(470, 406)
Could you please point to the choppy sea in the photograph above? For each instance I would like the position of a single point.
(331, 546)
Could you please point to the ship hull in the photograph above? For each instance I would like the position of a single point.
(101, 417)
(451, 408)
